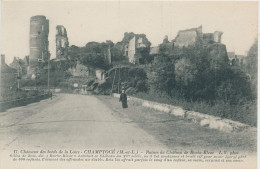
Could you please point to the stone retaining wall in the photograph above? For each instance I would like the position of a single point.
(205, 120)
(22, 102)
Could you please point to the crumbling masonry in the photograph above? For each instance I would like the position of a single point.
(62, 42)
(190, 37)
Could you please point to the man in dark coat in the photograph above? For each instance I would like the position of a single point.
(123, 99)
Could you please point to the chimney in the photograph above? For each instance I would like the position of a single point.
(2, 59)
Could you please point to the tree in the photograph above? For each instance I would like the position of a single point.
(185, 71)
(92, 54)
(252, 60)
(251, 66)
(235, 89)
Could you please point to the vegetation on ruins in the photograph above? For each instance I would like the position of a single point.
(198, 77)
(192, 78)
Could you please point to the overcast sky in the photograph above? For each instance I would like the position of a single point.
(100, 21)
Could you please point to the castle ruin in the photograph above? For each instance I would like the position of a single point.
(190, 37)
(39, 44)
(134, 47)
(62, 43)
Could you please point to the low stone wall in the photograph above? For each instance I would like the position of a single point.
(22, 102)
(204, 120)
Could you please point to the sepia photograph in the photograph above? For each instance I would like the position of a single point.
(128, 84)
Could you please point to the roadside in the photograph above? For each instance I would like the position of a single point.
(175, 132)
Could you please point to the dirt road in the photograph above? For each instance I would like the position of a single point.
(71, 121)
(81, 121)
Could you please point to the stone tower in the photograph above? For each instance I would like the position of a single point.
(39, 44)
(62, 42)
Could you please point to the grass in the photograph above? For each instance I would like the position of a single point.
(243, 113)
(177, 133)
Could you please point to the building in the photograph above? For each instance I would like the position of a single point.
(39, 44)
(100, 75)
(135, 47)
(236, 60)
(193, 36)
(62, 42)
(130, 50)
(8, 76)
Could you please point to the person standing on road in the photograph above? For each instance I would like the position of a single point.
(123, 99)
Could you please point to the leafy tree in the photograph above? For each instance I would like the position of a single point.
(19, 64)
(195, 74)
(235, 89)
(251, 65)
(117, 55)
(185, 71)
(93, 54)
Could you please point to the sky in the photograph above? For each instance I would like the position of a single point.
(103, 20)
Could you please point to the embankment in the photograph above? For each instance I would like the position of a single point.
(201, 119)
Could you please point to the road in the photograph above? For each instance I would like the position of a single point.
(82, 121)
(70, 121)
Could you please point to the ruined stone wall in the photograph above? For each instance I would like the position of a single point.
(62, 43)
(217, 36)
(131, 43)
(39, 44)
(208, 38)
(193, 36)
(186, 38)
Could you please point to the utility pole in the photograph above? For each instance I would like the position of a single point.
(49, 73)
(36, 74)
(18, 74)
(18, 84)
(113, 82)
(118, 90)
